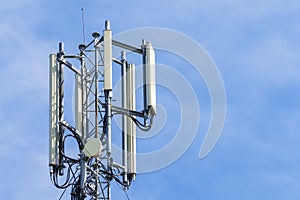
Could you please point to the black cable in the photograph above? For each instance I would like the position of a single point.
(63, 193)
(64, 185)
(70, 174)
(141, 126)
(76, 136)
(63, 149)
(125, 192)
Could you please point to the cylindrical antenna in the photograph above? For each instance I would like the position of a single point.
(107, 55)
(149, 78)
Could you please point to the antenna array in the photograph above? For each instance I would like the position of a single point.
(90, 174)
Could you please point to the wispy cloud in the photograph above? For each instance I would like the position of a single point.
(258, 60)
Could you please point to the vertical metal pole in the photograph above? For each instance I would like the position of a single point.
(96, 88)
(96, 108)
(85, 96)
(144, 74)
(61, 83)
(107, 51)
(108, 97)
(133, 125)
(82, 176)
(61, 103)
(83, 131)
(84, 99)
(124, 118)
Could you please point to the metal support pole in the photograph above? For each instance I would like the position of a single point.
(61, 103)
(82, 176)
(84, 129)
(124, 118)
(108, 97)
(96, 102)
(107, 62)
(96, 87)
(83, 132)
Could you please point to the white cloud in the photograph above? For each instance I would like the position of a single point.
(260, 63)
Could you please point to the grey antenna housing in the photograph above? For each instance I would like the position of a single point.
(149, 78)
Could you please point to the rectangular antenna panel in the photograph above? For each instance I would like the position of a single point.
(107, 51)
(80, 98)
(131, 127)
(149, 78)
(53, 115)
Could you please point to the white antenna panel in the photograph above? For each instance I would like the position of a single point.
(80, 97)
(149, 78)
(131, 127)
(53, 115)
(107, 51)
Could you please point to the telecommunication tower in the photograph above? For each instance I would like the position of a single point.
(90, 174)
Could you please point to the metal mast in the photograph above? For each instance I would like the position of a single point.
(89, 175)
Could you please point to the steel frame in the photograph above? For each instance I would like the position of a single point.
(90, 178)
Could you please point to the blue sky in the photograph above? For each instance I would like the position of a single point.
(255, 45)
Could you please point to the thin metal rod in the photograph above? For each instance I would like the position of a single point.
(68, 64)
(96, 107)
(84, 99)
(124, 118)
(61, 101)
(126, 46)
(108, 97)
(128, 111)
(82, 176)
(96, 89)
(84, 131)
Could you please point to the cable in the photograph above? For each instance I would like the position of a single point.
(143, 127)
(125, 192)
(74, 131)
(70, 173)
(63, 149)
(63, 193)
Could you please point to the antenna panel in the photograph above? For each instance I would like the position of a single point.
(53, 115)
(149, 78)
(107, 48)
(131, 127)
(80, 98)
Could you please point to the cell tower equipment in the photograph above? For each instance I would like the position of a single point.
(149, 78)
(90, 174)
